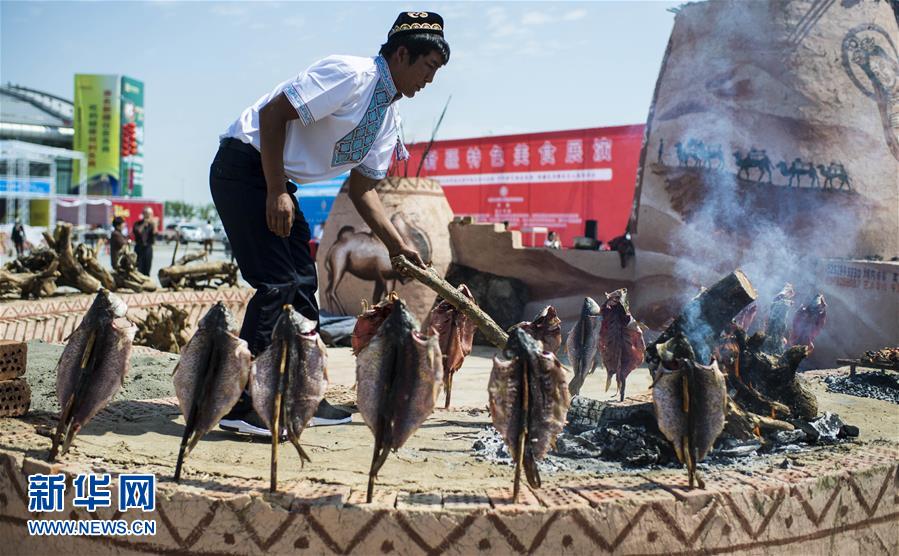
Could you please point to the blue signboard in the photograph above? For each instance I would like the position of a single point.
(316, 199)
(32, 186)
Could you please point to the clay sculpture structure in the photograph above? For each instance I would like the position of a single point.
(92, 367)
(289, 380)
(212, 372)
(398, 376)
(803, 93)
(354, 265)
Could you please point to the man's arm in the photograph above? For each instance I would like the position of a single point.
(368, 205)
(273, 118)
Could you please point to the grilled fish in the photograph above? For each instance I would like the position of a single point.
(455, 333)
(546, 327)
(398, 377)
(210, 375)
(583, 344)
(529, 401)
(620, 340)
(776, 325)
(808, 322)
(690, 402)
(368, 323)
(92, 367)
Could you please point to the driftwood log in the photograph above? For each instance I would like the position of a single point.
(30, 284)
(71, 271)
(198, 276)
(454, 297)
(191, 257)
(87, 258)
(164, 328)
(128, 277)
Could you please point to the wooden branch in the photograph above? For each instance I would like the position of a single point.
(87, 257)
(454, 297)
(72, 273)
(180, 276)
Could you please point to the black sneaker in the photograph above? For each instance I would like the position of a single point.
(248, 423)
(327, 414)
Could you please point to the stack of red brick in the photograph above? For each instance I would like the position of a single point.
(15, 394)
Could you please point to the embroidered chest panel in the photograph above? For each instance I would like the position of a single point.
(354, 146)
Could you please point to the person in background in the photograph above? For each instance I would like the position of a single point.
(624, 246)
(208, 236)
(144, 238)
(18, 237)
(552, 241)
(117, 240)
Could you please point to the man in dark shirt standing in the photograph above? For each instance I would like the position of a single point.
(18, 237)
(117, 240)
(144, 238)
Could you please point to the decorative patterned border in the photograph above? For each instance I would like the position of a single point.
(803, 510)
(52, 320)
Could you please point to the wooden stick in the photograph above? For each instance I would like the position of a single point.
(276, 418)
(454, 297)
(522, 436)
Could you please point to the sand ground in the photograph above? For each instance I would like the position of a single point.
(142, 428)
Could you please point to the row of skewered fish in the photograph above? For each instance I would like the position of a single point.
(401, 367)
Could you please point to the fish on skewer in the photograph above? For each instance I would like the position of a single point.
(776, 325)
(368, 323)
(808, 322)
(92, 367)
(690, 402)
(546, 327)
(583, 344)
(529, 402)
(398, 377)
(210, 375)
(455, 333)
(289, 380)
(620, 340)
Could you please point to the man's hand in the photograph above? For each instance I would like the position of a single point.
(279, 213)
(410, 253)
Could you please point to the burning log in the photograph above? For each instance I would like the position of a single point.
(72, 273)
(706, 316)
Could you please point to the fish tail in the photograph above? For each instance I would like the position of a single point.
(531, 472)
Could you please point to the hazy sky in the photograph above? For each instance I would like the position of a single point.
(515, 67)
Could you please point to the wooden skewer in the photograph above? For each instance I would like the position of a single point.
(522, 436)
(454, 297)
(276, 418)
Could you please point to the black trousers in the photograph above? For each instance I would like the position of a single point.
(281, 269)
(144, 258)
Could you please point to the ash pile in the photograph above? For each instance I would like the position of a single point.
(878, 385)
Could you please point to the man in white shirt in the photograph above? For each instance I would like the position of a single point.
(339, 114)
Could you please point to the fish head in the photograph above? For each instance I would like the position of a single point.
(677, 347)
(219, 318)
(590, 307)
(292, 323)
(819, 303)
(520, 343)
(105, 308)
(548, 318)
(400, 321)
(786, 295)
(618, 297)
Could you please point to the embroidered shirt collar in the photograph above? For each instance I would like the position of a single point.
(384, 72)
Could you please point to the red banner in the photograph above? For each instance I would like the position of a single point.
(554, 181)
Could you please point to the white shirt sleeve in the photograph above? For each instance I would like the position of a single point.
(322, 89)
(377, 162)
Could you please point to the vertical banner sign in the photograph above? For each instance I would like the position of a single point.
(554, 181)
(132, 137)
(97, 131)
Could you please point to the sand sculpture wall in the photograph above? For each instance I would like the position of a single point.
(353, 265)
(773, 143)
